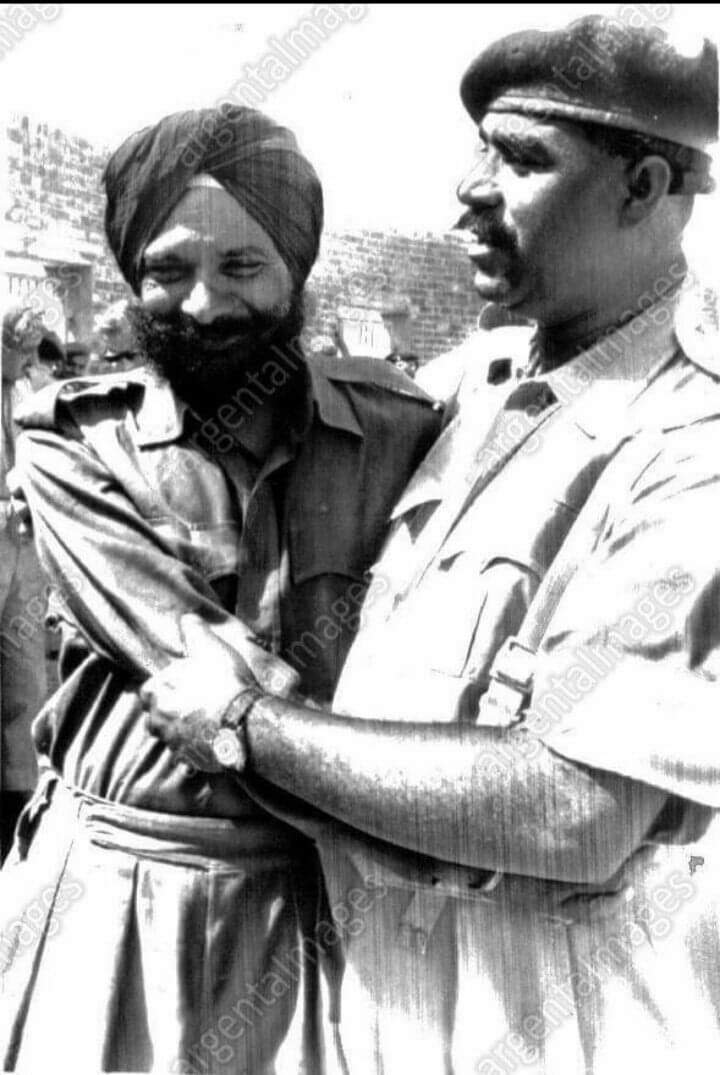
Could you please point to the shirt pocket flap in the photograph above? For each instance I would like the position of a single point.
(483, 556)
(531, 538)
(479, 597)
(328, 549)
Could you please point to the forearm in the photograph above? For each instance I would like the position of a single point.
(484, 797)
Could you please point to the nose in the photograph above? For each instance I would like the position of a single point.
(204, 303)
(479, 189)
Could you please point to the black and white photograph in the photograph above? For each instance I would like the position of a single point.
(359, 539)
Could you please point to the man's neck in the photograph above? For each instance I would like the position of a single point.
(556, 344)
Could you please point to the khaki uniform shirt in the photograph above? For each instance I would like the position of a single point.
(501, 973)
(142, 514)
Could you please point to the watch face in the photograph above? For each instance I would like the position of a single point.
(227, 749)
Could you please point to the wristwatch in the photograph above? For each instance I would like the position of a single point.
(230, 745)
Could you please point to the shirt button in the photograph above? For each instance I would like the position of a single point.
(324, 509)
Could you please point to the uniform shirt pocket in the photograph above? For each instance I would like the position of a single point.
(477, 602)
(326, 546)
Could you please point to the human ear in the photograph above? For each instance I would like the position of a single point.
(647, 182)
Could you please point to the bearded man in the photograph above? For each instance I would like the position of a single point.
(237, 481)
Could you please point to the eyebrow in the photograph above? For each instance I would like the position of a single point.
(173, 257)
(520, 144)
(162, 255)
(243, 251)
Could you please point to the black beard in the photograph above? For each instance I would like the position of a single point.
(186, 353)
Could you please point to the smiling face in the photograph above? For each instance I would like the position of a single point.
(214, 295)
(211, 260)
(544, 208)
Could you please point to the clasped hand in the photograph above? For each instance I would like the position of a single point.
(188, 700)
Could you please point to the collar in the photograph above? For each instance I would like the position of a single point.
(332, 404)
(617, 368)
(595, 388)
(601, 382)
(161, 415)
(697, 325)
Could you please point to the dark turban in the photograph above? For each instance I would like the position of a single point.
(254, 159)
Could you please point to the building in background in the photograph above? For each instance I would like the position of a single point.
(388, 291)
(53, 247)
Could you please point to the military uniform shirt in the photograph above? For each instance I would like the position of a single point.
(498, 973)
(142, 514)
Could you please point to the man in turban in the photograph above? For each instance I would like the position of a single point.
(532, 705)
(172, 922)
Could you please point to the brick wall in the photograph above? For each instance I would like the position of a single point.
(418, 286)
(55, 209)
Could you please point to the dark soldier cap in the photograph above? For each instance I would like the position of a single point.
(601, 70)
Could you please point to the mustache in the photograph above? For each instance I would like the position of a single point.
(485, 229)
(173, 338)
(182, 328)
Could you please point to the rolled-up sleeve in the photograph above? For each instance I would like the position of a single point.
(120, 579)
(125, 584)
(626, 677)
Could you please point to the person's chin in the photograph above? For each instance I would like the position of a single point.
(492, 279)
(498, 289)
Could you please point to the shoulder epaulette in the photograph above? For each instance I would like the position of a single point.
(370, 371)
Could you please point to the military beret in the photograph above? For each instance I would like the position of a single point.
(600, 70)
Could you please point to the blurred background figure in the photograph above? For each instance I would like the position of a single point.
(51, 355)
(77, 358)
(406, 363)
(323, 346)
(23, 600)
(400, 356)
(331, 346)
(335, 345)
(338, 338)
(114, 348)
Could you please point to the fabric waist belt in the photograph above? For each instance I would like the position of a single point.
(206, 843)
